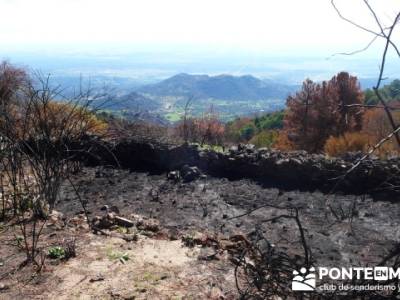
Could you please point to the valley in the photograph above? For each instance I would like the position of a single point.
(226, 95)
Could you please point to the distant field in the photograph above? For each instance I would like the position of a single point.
(227, 110)
(172, 108)
(173, 116)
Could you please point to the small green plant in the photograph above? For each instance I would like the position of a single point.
(189, 240)
(124, 257)
(122, 230)
(115, 255)
(57, 252)
(19, 239)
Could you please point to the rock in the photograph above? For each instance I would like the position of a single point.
(174, 176)
(189, 174)
(55, 218)
(173, 234)
(105, 207)
(250, 148)
(155, 197)
(293, 170)
(102, 222)
(246, 147)
(369, 215)
(4, 287)
(78, 220)
(130, 237)
(227, 245)
(84, 226)
(207, 254)
(108, 209)
(233, 149)
(149, 234)
(137, 218)
(324, 232)
(110, 216)
(199, 239)
(148, 225)
(56, 215)
(98, 277)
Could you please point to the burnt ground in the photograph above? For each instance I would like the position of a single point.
(341, 230)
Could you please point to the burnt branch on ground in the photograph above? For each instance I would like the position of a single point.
(262, 270)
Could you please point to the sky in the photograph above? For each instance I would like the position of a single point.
(150, 40)
(267, 26)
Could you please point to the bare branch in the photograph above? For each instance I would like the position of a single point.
(354, 23)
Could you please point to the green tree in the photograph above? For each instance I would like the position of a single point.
(247, 132)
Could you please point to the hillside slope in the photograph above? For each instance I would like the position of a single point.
(224, 87)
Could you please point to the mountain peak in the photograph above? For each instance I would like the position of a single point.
(223, 87)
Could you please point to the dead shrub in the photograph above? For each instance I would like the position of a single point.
(41, 144)
(377, 126)
(349, 142)
(207, 129)
(282, 142)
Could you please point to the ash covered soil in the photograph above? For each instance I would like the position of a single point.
(183, 243)
(341, 230)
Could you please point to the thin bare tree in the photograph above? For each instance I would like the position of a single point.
(385, 33)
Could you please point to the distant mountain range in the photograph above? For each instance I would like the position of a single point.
(222, 87)
(164, 101)
(230, 96)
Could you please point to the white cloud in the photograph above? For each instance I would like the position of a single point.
(258, 25)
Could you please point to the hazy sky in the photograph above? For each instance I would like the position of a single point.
(277, 26)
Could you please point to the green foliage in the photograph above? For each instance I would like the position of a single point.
(124, 257)
(189, 240)
(259, 131)
(122, 230)
(393, 89)
(56, 252)
(370, 97)
(115, 255)
(265, 138)
(270, 121)
(19, 239)
(390, 92)
(247, 132)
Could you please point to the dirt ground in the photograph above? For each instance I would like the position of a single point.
(341, 230)
(112, 268)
